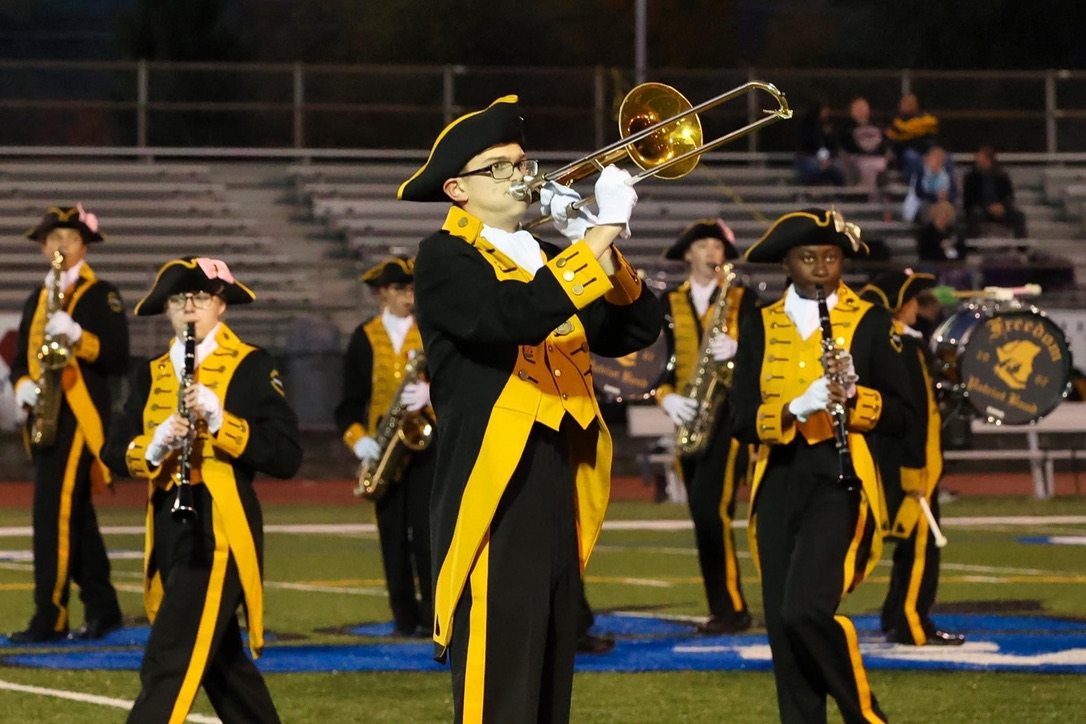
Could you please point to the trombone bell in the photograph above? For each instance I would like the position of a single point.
(647, 105)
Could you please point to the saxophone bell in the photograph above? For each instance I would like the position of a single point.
(54, 354)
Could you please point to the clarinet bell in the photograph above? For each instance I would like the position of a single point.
(183, 509)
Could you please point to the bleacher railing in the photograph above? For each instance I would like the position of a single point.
(200, 105)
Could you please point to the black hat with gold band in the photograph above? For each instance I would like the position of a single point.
(193, 274)
(396, 270)
(807, 227)
(67, 217)
(894, 289)
(461, 140)
(704, 229)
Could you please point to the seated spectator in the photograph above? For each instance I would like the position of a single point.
(939, 242)
(817, 150)
(934, 182)
(864, 148)
(988, 195)
(911, 133)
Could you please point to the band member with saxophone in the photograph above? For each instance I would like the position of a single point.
(72, 338)
(377, 354)
(523, 454)
(910, 468)
(815, 533)
(714, 470)
(199, 568)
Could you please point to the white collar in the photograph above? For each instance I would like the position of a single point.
(906, 329)
(203, 349)
(520, 246)
(701, 293)
(67, 277)
(804, 312)
(397, 328)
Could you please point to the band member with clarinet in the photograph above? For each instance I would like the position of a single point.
(523, 454)
(714, 471)
(910, 467)
(200, 567)
(373, 369)
(814, 532)
(72, 338)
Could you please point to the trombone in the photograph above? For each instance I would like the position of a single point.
(661, 134)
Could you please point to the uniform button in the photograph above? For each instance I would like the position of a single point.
(558, 373)
(569, 276)
(802, 364)
(396, 375)
(565, 396)
(578, 289)
(768, 376)
(841, 341)
(560, 263)
(550, 347)
(523, 374)
(462, 223)
(770, 358)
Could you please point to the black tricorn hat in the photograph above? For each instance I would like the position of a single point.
(812, 226)
(193, 274)
(67, 217)
(704, 229)
(462, 139)
(893, 289)
(395, 270)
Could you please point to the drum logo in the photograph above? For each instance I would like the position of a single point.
(1014, 362)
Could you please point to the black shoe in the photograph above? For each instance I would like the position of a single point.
(720, 625)
(96, 628)
(943, 638)
(36, 636)
(590, 644)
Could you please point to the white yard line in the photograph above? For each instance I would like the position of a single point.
(91, 699)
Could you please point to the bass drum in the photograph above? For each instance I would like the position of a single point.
(636, 376)
(1009, 362)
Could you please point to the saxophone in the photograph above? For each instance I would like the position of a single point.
(709, 382)
(399, 434)
(53, 355)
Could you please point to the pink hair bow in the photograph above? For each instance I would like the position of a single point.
(89, 220)
(215, 269)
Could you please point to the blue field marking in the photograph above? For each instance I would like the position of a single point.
(135, 636)
(994, 643)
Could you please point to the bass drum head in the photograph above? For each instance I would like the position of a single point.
(1016, 367)
(636, 376)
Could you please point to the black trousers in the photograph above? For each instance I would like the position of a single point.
(515, 627)
(67, 543)
(806, 524)
(196, 639)
(914, 579)
(403, 526)
(711, 480)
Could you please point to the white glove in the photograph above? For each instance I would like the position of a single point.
(61, 323)
(367, 449)
(555, 199)
(163, 441)
(615, 198)
(723, 347)
(679, 408)
(208, 407)
(26, 393)
(817, 397)
(415, 396)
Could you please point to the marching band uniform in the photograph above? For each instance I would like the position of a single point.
(713, 476)
(67, 543)
(198, 572)
(523, 454)
(910, 467)
(376, 356)
(813, 540)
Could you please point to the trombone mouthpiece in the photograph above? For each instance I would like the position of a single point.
(520, 191)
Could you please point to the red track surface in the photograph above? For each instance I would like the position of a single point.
(130, 494)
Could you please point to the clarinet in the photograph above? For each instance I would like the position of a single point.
(846, 471)
(183, 509)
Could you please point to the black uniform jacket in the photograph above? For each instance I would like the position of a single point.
(102, 351)
(913, 462)
(506, 350)
(259, 434)
(773, 367)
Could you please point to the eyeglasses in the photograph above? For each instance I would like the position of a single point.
(502, 170)
(200, 300)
